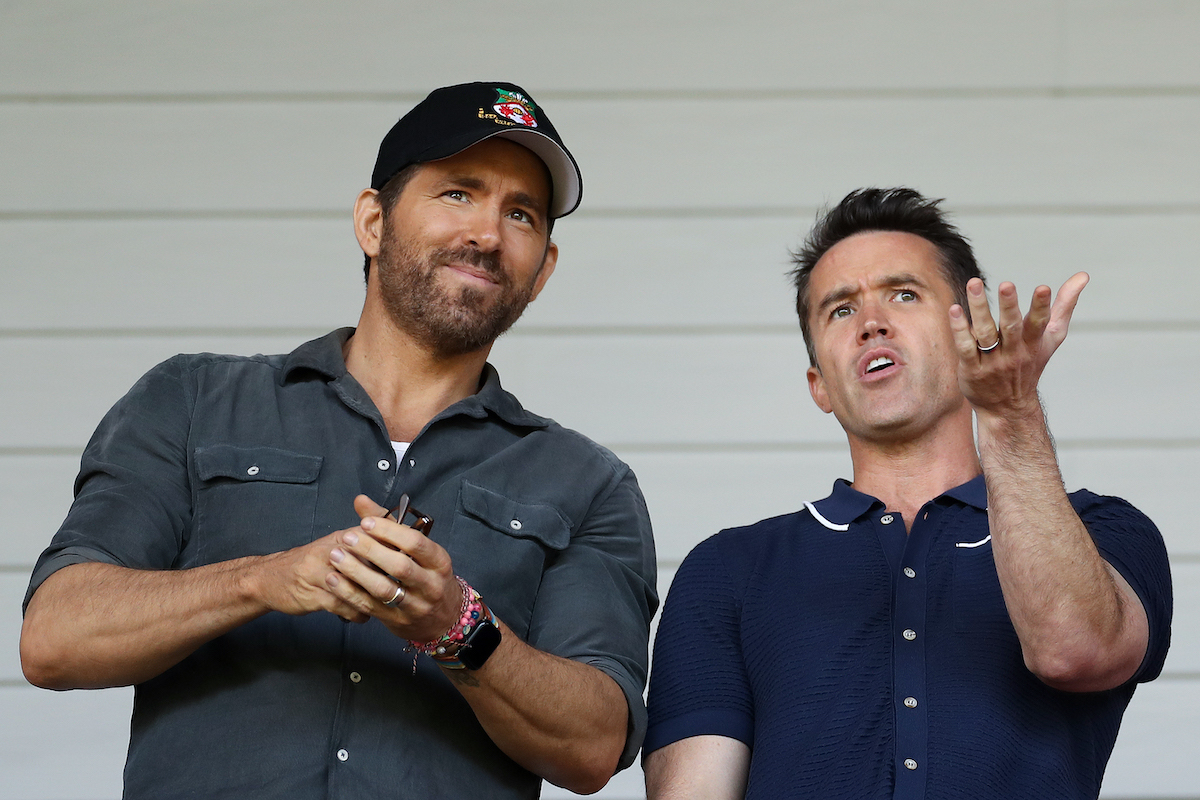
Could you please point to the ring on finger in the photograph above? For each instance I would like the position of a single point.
(990, 347)
(397, 597)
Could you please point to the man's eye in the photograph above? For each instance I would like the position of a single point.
(841, 311)
(456, 194)
(521, 216)
(906, 295)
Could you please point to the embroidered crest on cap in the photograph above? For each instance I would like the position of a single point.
(516, 107)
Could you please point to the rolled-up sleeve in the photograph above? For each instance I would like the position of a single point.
(132, 495)
(598, 596)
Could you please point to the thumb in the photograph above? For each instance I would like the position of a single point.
(366, 507)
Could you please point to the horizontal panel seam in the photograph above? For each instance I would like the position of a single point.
(613, 213)
(705, 94)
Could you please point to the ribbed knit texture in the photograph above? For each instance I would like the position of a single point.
(784, 635)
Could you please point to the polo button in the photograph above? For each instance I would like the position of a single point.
(355, 677)
(886, 519)
(515, 525)
(412, 462)
(384, 464)
(910, 763)
(342, 755)
(910, 634)
(909, 572)
(253, 470)
(911, 702)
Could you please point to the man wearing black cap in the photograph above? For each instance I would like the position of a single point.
(227, 502)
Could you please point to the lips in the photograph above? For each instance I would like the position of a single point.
(877, 362)
(473, 271)
(471, 262)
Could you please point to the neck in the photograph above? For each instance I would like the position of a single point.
(408, 383)
(907, 474)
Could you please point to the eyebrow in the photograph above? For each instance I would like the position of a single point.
(846, 291)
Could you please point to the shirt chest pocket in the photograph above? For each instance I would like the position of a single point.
(251, 501)
(502, 546)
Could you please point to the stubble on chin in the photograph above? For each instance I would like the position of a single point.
(449, 321)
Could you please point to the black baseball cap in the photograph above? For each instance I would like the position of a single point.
(453, 118)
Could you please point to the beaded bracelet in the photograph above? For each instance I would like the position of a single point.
(444, 649)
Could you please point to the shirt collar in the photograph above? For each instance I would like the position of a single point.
(324, 356)
(845, 504)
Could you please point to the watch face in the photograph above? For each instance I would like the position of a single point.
(482, 642)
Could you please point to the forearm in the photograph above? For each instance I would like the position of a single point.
(1081, 626)
(698, 768)
(558, 718)
(97, 625)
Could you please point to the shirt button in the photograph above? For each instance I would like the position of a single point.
(515, 524)
(886, 519)
(384, 464)
(908, 763)
(342, 755)
(909, 572)
(412, 462)
(911, 702)
(355, 677)
(909, 634)
(253, 470)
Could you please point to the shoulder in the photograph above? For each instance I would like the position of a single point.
(735, 554)
(188, 367)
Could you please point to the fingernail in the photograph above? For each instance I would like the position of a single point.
(351, 538)
(336, 556)
(331, 580)
(368, 523)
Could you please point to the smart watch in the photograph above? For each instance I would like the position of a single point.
(479, 644)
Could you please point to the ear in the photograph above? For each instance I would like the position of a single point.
(546, 271)
(368, 221)
(816, 387)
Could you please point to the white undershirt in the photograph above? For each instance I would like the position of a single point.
(401, 448)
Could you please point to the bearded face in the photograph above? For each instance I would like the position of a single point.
(450, 320)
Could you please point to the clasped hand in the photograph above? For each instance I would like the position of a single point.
(370, 560)
(1000, 363)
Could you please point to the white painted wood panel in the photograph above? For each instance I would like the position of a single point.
(1128, 43)
(1159, 744)
(624, 389)
(63, 745)
(617, 46)
(12, 590)
(635, 153)
(647, 271)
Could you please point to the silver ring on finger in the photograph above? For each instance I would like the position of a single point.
(990, 347)
(397, 597)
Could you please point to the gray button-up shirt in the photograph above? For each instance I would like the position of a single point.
(213, 457)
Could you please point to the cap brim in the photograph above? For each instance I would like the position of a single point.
(564, 174)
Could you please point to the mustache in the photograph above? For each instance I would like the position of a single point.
(488, 262)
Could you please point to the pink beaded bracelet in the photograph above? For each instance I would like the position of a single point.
(445, 648)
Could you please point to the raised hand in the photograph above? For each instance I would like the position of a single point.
(1000, 363)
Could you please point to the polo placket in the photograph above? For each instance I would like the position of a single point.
(909, 659)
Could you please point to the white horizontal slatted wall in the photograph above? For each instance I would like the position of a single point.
(178, 177)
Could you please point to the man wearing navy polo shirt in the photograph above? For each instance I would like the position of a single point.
(949, 623)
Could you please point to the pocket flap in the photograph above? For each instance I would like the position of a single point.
(256, 464)
(523, 520)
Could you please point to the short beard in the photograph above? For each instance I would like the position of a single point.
(448, 324)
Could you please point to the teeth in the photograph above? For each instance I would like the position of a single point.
(879, 363)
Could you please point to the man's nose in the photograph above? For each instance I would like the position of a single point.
(483, 230)
(874, 322)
